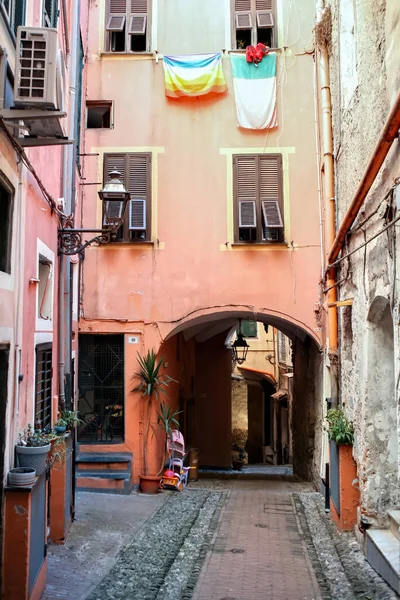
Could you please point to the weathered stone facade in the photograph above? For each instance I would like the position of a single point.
(365, 80)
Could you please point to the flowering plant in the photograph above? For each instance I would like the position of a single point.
(34, 437)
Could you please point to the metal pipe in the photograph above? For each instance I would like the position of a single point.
(65, 26)
(65, 329)
(389, 133)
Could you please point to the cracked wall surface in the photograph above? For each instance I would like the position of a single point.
(369, 330)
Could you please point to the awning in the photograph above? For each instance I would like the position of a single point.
(279, 394)
(257, 374)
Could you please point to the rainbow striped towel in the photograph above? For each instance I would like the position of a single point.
(194, 75)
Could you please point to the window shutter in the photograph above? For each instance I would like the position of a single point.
(246, 190)
(243, 18)
(272, 214)
(137, 175)
(112, 162)
(116, 15)
(247, 213)
(265, 19)
(249, 328)
(137, 214)
(138, 22)
(264, 5)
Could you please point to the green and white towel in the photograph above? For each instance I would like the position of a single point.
(255, 91)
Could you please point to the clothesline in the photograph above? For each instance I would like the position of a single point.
(158, 55)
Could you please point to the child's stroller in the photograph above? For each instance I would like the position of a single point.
(176, 476)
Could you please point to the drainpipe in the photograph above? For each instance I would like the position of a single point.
(65, 327)
(389, 133)
(329, 202)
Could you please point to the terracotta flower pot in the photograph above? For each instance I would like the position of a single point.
(237, 465)
(149, 484)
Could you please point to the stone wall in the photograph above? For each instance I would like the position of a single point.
(364, 83)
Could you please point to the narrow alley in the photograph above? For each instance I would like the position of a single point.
(221, 539)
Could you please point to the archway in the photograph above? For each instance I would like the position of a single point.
(380, 442)
(197, 354)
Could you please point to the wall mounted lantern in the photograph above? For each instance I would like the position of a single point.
(240, 346)
(115, 199)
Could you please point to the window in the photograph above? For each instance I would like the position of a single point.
(249, 329)
(98, 114)
(43, 393)
(45, 288)
(136, 175)
(127, 26)
(15, 10)
(50, 13)
(253, 23)
(6, 211)
(78, 112)
(258, 197)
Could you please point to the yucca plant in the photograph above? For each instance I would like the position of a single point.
(151, 384)
(167, 420)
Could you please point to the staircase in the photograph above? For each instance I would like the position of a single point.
(383, 550)
(106, 473)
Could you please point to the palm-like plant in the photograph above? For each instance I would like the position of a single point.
(151, 384)
(167, 420)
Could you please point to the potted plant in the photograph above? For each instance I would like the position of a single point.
(344, 487)
(33, 448)
(151, 383)
(238, 461)
(60, 427)
(71, 419)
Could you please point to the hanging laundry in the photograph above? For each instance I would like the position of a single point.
(194, 75)
(255, 91)
(256, 54)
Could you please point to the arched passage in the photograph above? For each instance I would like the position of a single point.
(197, 354)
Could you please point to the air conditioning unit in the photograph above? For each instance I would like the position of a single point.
(36, 69)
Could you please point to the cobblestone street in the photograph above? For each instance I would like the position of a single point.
(218, 540)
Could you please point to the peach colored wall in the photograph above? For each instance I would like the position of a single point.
(189, 266)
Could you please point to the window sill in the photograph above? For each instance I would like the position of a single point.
(259, 244)
(131, 54)
(129, 244)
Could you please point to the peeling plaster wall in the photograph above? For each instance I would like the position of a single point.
(369, 341)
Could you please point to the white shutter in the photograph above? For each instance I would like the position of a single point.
(137, 214)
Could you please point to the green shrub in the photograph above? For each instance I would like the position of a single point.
(339, 428)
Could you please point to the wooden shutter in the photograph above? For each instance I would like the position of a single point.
(138, 185)
(243, 19)
(264, 19)
(271, 196)
(272, 213)
(116, 15)
(114, 162)
(138, 21)
(137, 214)
(247, 213)
(264, 13)
(246, 190)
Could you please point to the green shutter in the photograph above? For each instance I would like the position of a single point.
(249, 329)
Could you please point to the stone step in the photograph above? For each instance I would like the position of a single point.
(104, 472)
(394, 522)
(105, 483)
(383, 554)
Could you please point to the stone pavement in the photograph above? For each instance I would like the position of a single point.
(217, 540)
(258, 553)
(104, 524)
